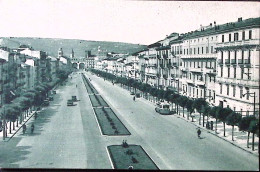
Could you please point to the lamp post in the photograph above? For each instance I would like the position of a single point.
(254, 99)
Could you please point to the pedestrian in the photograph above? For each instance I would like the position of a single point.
(35, 115)
(134, 98)
(24, 128)
(198, 132)
(32, 128)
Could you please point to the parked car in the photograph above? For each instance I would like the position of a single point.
(132, 93)
(138, 95)
(70, 103)
(74, 98)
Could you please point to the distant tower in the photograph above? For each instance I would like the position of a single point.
(87, 54)
(72, 53)
(60, 53)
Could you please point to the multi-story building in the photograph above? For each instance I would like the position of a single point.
(151, 66)
(198, 63)
(238, 66)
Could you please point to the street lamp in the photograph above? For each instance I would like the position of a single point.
(253, 96)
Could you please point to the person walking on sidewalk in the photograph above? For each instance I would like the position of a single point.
(32, 128)
(198, 132)
(134, 98)
(24, 128)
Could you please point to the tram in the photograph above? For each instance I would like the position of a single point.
(163, 108)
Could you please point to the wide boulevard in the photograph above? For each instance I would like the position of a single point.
(70, 137)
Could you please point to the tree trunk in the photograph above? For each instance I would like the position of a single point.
(248, 139)
(232, 132)
(253, 142)
(10, 127)
(183, 113)
(203, 118)
(188, 116)
(216, 125)
(200, 119)
(14, 125)
(224, 129)
(17, 121)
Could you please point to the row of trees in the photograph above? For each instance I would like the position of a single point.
(225, 115)
(20, 107)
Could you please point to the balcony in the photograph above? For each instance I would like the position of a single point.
(233, 61)
(240, 61)
(247, 61)
(220, 62)
(199, 82)
(227, 61)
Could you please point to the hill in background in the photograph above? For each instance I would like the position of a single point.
(52, 45)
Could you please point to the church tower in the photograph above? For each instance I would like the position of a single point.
(60, 53)
(72, 54)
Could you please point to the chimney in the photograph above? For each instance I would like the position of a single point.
(239, 19)
(215, 23)
(210, 24)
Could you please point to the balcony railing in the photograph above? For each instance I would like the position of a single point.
(233, 61)
(247, 61)
(227, 61)
(220, 61)
(240, 61)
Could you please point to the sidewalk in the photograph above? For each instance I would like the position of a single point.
(13, 132)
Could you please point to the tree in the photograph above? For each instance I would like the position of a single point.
(182, 102)
(10, 115)
(233, 119)
(190, 108)
(244, 125)
(253, 127)
(222, 115)
(214, 113)
(198, 105)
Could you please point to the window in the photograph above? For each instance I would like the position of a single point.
(247, 93)
(222, 56)
(194, 51)
(235, 72)
(250, 34)
(229, 37)
(220, 86)
(241, 92)
(242, 54)
(243, 35)
(207, 49)
(201, 50)
(227, 89)
(211, 49)
(223, 38)
(229, 55)
(235, 55)
(228, 69)
(184, 51)
(198, 50)
(235, 36)
(234, 91)
(187, 52)
(242, 73)
(221, 71)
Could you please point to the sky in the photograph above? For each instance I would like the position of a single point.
(140, 22)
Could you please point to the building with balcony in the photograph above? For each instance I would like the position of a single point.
(238, 65)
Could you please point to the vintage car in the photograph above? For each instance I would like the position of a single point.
(70, 103)
(163, 108)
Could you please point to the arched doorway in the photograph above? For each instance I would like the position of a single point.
(81, 66)
(75, 65)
